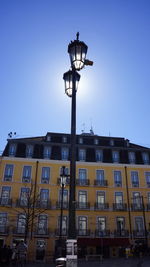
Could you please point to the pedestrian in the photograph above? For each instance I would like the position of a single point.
(22, 252)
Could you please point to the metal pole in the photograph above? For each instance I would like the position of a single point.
(61, 211)
(72, 220)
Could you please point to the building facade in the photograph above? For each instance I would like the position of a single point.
(112, 193)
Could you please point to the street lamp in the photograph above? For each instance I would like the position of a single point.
(77, 51)
(62, 184)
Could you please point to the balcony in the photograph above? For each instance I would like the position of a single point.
(82, 205)
(65, 205)
(135, 184)
(43, 204)
(137, 207)
(140, 233)
(102, 233)
(101, 206)
(21, 203)
(41, 232)
(19, 231)
(7, 178)
(5, 201)
(26, 179)
(121, 233)
(83, 182)
(64, 232)
(67, 181)
(83, 232)
(119, 206)
(101, 183)
(4, 230)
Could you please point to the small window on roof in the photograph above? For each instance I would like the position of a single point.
(48, 138)
(80, 140)
(96, 141)
(64, 139)
(112, 142)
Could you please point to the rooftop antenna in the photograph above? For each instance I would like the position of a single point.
(91, 129)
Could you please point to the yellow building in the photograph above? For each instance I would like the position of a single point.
(112, 194)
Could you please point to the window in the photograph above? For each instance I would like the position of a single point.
(45, 175)
(8, 173)
(21, 224)
(145, 157)
(100, 177)
(47, 152)
(112, 142)
(5, 195)
(131, 157)
(96, 141)
(99, 155)
(115, 156)
(64, 153)
(64, 139)
(48, 138)
(82, 198)
(101, 225)
(29, 151)
(148, 198)
(118, 197)
(137, 201)
(117, 178)
(44, 195)
(26, 177)
(65, 197)
(12, 149)
(100, 200)
(82, 155)
(139, 226)
(80, 140)
(82, 225)
(24, 196)
(120, 221)
(3, 222)
(134, 179)
(42, 224)
(82, 176)
(147, 177)
(64, 224)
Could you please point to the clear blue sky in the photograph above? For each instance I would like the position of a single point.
(113, 95)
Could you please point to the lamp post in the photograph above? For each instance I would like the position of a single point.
(77, 51)
(62, 184)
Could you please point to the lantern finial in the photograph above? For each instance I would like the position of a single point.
(77, 36)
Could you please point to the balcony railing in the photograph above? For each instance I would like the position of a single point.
(7, 177)
(140, 233)
(63, 233)
(101, 206)
(19, 231)
(4, 230)
(43, 204)
(121, 233)
(102, 233)
(119, 206)
(5, 201)
(137, 207)
(135, 184)
(83, 182)
(41, 232)
(65, 205)
(21, 203)
(101, 183)
(83, 232)
(82, 205)
(26, 179)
